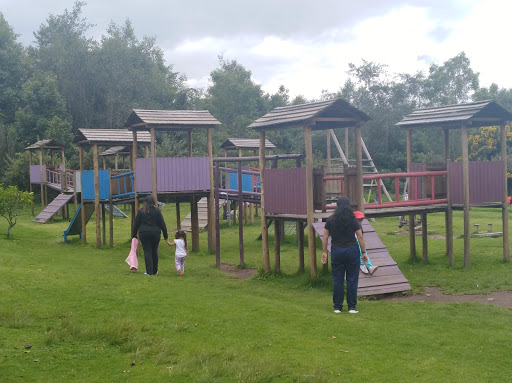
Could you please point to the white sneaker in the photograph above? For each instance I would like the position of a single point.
(353, 311)
(363, 269)
(337, 311)
(372, 269)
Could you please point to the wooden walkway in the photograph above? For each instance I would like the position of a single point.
(388, 278)
(202, 211)
(53, 208)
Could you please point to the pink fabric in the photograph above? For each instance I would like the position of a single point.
(132, 257)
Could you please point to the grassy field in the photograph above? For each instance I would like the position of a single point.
(74, 313)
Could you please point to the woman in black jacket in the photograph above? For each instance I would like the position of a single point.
(149, 222)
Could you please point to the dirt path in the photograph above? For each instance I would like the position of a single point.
(240, 273)
(434, 294)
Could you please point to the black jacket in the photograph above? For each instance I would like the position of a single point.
(152, 222)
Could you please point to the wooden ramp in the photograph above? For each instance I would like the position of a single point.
(53, 208)
(202, 207)
(388, 278)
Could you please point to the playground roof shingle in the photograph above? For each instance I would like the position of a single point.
(45, 144)
(336, 113)
(245, 143)
(170, 119)
(110, 137)
(474, 114)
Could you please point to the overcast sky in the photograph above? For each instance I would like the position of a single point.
(304, 45)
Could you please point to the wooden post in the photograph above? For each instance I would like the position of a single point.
(116, 161)
(104, 229)
(41, 172)
(82, 209)
(241, 210)
(153, 164)
(251, 213)
(211, 198)
(412, 234)
(190, 143)
(300, 244)
(504, 209)
(359, 169)
(346, 144)
(465, 186)
(178, 215)
(329, 148)
(29, 178)
(146, 151)
(52, 157)
(217, 217)
(97, 209)
(194, 221)
(264, 229)
(449, 212)
(134, 169)
(111, 219)
(104, 163)
(277, 246)
(309, 201)
(424, 237)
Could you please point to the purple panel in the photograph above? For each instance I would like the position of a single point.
(35, 174)
(174, 174)
(285, 191)
(486, 182)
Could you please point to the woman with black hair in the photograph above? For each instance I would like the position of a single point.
(343, 228)
(149, 222)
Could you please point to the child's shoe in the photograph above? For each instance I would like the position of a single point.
(364, 269)
(181, 273)
(372, 269)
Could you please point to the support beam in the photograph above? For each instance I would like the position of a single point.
(424, 237)
(241, 207)
(97, 207)
(277, 246)
(190, 143)
(217, 217)
(300, 244)
(329, 165)
(309, 201)
(29, 180)
(264, 228)
(178, 216)
(412, 234)
(504, 209)
(465, 188)
(41, 172)
(153, 165)
(134, 169)
(211, 198)
(449, 213)
(194, 222)
(359, 170)
(82, 210)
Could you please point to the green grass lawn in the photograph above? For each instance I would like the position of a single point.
(74, 313)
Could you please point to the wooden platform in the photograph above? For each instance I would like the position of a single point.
(202, 212)
(388, 278)
(53, 208)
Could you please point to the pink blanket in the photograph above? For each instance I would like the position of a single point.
(132, 257)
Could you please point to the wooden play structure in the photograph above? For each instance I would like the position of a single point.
(184, 179)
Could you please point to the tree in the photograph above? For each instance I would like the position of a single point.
(12, 201)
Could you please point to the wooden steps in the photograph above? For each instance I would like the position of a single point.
(53, 208)
(388, 278)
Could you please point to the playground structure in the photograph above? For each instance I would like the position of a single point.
(185, 179)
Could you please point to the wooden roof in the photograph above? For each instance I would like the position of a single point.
(117, 150)
(245, 143)
(45, 144)
(474, 114)
(170, 119)
(110, 137)
(320, 115)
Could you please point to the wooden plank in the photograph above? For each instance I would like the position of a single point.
(394, 288)
(264, 228)
(380, 281)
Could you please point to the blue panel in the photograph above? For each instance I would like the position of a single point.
(88, 184)
(246, 182)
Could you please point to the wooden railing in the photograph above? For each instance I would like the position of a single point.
(121, 185)
(412, 197)
(57, 177)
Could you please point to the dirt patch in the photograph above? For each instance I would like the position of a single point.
(434, 294)
(240, 273)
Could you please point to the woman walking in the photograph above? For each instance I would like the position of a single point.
(149, 222)
(343, 228)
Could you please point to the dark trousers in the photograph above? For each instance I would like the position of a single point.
(345, 263)
(150, 243)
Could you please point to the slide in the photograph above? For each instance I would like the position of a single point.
(75, 227)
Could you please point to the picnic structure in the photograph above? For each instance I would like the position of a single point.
(182, 179)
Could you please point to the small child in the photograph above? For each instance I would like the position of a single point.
(180, 241)
(367, 268)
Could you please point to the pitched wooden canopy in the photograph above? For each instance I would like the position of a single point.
(141, 119)
(109, 137)
(245, 144)
(320, 115)
(474, 114)
(46, 144)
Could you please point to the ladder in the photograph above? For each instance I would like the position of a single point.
(368, 164)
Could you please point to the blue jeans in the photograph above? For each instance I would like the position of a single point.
(345, 262)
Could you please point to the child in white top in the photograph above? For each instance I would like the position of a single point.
(181, 254)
